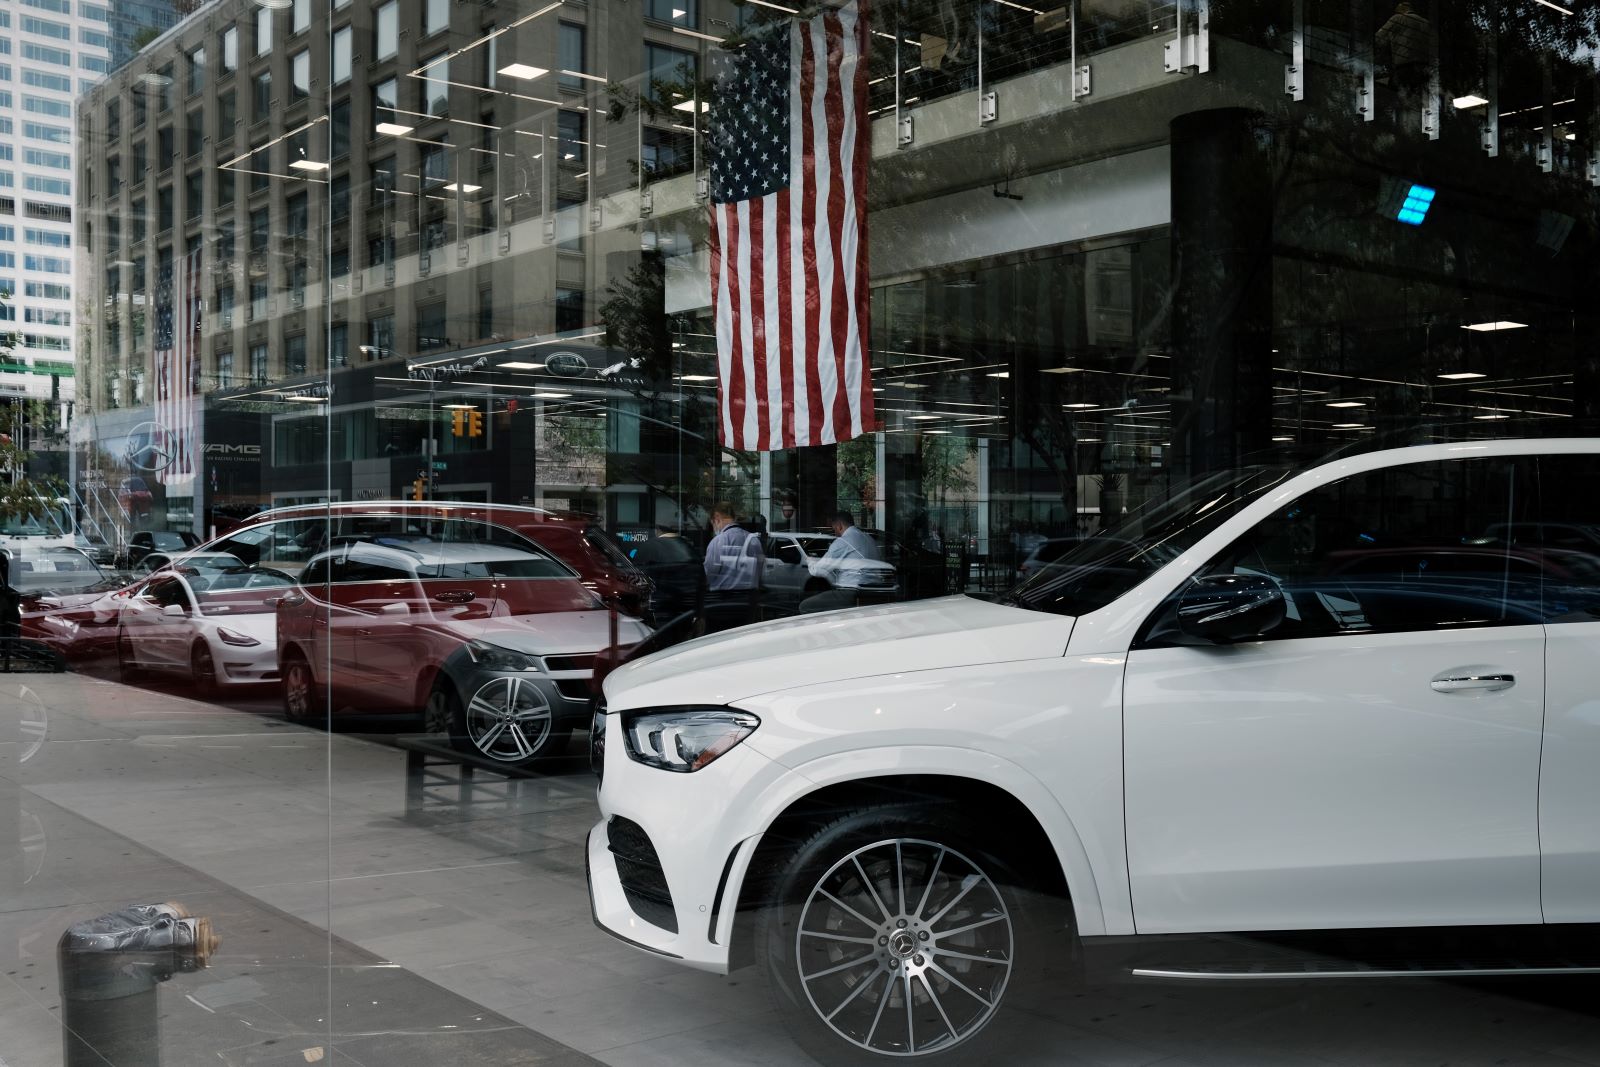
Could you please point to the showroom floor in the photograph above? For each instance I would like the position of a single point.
(377, 912)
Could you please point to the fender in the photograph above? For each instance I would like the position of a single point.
(1088, 901)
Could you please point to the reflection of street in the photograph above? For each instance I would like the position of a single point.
(476, 883)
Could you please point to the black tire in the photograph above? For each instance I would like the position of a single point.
(125, 663)
(960, 896)
(203, 669)
(524, 742)
(304, 701)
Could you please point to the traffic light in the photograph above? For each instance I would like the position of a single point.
(474, 424)
(416, 488)
(458, 422)
(465, 423)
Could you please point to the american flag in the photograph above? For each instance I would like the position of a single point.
(790, 142)
(177, 355)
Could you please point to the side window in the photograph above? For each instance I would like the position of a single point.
(316, 572)
(372, 563)
(1566, 537)
(1400, 549)
(471, 548)
(286, 546)
(165, 591)
(248, 545)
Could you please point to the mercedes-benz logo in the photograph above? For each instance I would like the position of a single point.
(150, 447)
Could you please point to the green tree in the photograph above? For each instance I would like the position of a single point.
(20, 493)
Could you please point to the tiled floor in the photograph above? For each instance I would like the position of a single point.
(475, 895)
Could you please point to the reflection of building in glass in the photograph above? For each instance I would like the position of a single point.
(134, 23)
(1102, 259)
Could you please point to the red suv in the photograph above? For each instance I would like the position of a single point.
(438, 609)
(574, 539)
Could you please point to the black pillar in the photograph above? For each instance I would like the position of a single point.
(1222, 288)
(817, 483)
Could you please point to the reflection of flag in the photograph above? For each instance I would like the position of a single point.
(790, 141)
(178, 373)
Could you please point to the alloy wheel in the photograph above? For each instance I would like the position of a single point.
(297, 690)
(204, 670)
(508, 719)
(904, 948)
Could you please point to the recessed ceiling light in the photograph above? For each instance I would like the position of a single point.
(1572, 137)
(697, 377)
(1062, 370)
(1283, 439)
(551, 396)
(1462, 375)
(688, 105)
(307, 164)
(1501, 324)
(1488, 417)
(453, 187)
(999, 374)
(912, 385)
(922, 417)
(520, 366)
(936, 431)
(523, 71)
(678, 12)
(1462, 103)
(393, 129)
(1079, 407)
(1349, 426)
(458, 407)
(1347, 404)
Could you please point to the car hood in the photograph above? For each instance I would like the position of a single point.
(551, 633)
(834, 646)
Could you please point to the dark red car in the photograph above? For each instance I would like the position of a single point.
(286, 538)
(491, 637)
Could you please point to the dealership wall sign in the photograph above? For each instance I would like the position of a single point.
(566, 364)
(150, 447)
(440, 372)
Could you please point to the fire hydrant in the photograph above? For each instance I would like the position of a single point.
(110, 967)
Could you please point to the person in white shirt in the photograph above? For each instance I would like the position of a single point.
(850, 542)
(734, 565)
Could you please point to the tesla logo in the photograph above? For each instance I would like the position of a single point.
(233, 450)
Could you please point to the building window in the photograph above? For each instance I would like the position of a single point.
(671, 74)
(197, 71)
(301, 19)
(485, 312)
(164, 210)
(193, 196)
(263, 30)
(294, 354)
(164, 78)
(224, 370)
(569, 136)
(573, 50)
(341, 55)
(667, 152)
(260, 230)
(225, 305)
(258, 300)
(195, 133)
(225, 184)
(226, 241)
(569, 309)
(436, 15)
(339, 130)
(339, 198)
(384, 102)
(165, 148)
(227, 115)
(300, 75)
(230, 49)
(436, 85)
(338, 345)
(262, 97)
(258, 364)
(380, 337)
(431, 328)
(386, 30)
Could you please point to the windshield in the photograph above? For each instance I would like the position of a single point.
(1102, 568)
(39, 570)
(815, 547)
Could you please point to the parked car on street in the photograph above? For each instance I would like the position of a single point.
(795, 569)
(216, 627)
(1253, 726)
(61, 599)
(493, 639)
(144, 542)
(195, 560)
(287, 538)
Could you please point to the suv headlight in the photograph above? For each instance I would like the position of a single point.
(496, 658)
(684, 739)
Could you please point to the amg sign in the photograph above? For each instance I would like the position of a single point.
(221, 451)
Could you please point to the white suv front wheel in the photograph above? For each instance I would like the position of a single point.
(892, 936)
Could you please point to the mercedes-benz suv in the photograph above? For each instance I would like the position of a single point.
(1335, 705)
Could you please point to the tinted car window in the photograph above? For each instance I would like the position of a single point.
(1567, 537)
(1400, 549)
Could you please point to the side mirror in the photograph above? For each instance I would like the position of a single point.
(174, 611)
(1224, 608)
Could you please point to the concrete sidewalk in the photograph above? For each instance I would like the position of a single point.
(478, 887)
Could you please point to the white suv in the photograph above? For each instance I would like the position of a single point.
(1271, 701)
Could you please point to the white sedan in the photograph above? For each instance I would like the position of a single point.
(1329, 702)
(218, 628)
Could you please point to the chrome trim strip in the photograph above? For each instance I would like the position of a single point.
(1446, 972)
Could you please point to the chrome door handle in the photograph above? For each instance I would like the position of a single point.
(1466, 683)
(455, 596)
